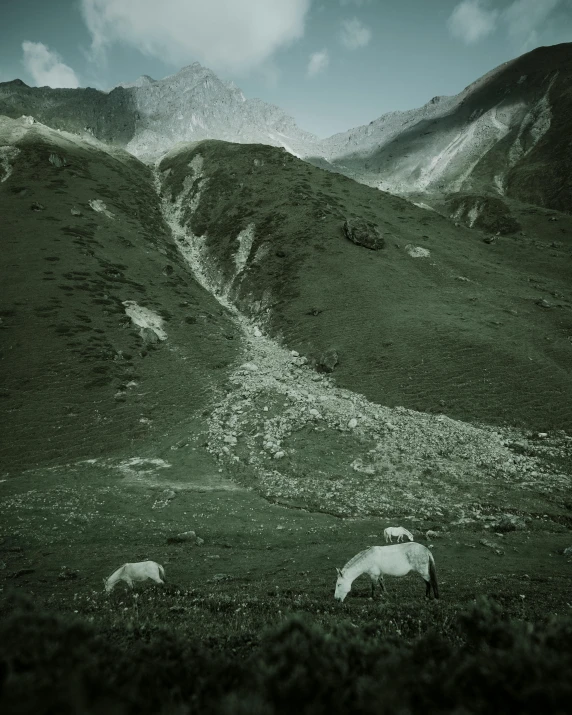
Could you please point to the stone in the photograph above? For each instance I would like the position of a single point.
(189, 537)
(327, 361)
(510, 522)
(57, 160)
(352, 423)
(543, 303)
(249, 367)
(491, 545)
(37, 207)
(568, 551)
(363, 233)
(417, 251)
(75, 211)
(67, 574)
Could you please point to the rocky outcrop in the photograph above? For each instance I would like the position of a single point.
(363, 233)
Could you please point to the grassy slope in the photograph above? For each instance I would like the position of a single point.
(407, 331)
(69, 350)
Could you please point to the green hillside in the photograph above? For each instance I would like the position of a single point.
(460, 331)
(79, 378)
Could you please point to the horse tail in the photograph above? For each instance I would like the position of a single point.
(161, 571)
(433, 575)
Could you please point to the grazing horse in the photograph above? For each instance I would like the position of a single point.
(394, 560)
(398, 531)
(135, 572)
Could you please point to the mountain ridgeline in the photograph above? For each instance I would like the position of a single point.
(498, 136)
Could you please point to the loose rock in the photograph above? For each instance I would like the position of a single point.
(363, 233)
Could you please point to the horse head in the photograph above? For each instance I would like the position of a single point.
(343, 587)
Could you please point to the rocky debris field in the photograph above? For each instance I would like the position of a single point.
(297, 439)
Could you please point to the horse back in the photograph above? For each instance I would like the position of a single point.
(399, 559)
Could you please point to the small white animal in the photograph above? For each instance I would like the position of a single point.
(135, 572)
(398, 531)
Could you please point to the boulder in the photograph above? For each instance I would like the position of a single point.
(363, 233)
(57, 160)
(327, 361)
(186, 537)
(509, 522)
(491, 545)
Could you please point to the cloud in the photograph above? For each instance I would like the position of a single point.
(470, 21)
(359, 3)
(355, 34)
(318, 62)
(228, 35)
(524, 19)
(46, 66)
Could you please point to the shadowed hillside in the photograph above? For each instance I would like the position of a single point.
(437, 320)
(106, 337)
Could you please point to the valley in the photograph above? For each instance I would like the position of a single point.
(196, 344)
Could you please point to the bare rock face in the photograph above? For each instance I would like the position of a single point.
(364, 233)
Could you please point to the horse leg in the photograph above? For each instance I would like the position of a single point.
(427, 589)
(373, 581)
(382, 584)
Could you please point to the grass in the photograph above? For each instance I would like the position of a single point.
(408, 331)
(253, 609)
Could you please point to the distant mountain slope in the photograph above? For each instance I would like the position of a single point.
(507, 133)
(437, 320)
(498, 136)
(107, 340)
(148, 117)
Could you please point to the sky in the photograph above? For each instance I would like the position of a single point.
(331, 64)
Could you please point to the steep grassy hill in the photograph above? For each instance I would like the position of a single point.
(85, 251)
(478, 331)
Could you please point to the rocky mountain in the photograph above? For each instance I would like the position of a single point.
(149, 117)
(499, 135)
(126, 285)
(494, 138)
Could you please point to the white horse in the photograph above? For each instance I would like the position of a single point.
(135, 572)
(398, 531)
(394, 560)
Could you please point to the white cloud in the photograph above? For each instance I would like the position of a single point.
(46, 66)
(524, 19)
(355, 34)
(470, 21)
(228, 35)
(318, 62)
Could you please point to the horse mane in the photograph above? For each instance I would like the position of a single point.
(356, 558)
(116, 572)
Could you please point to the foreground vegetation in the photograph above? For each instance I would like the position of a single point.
(483, 660)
